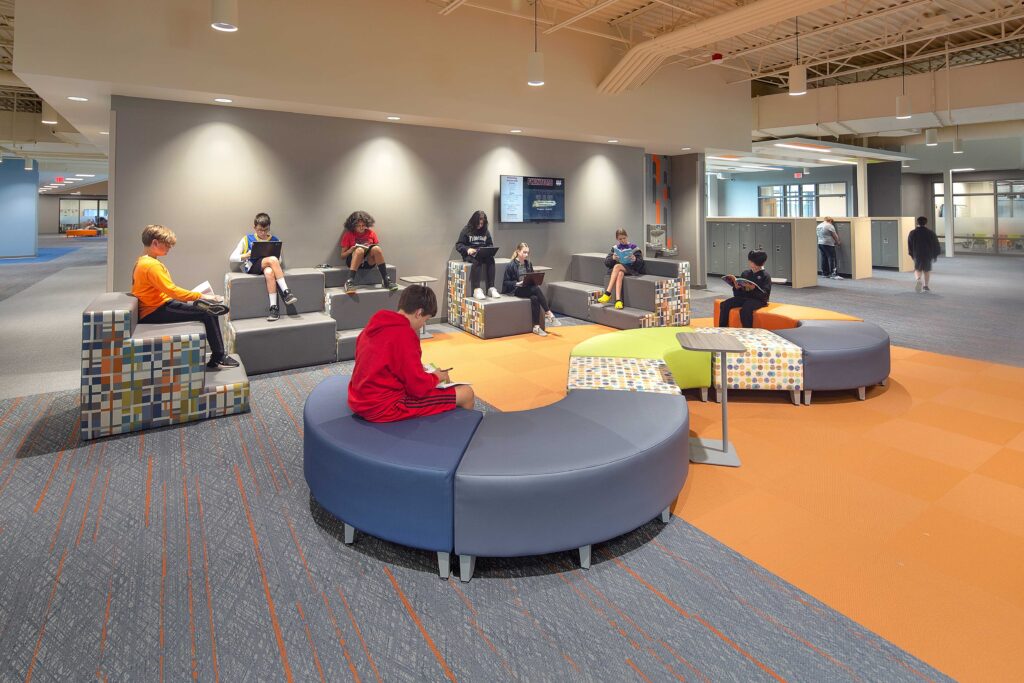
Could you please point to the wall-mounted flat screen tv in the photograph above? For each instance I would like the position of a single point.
(528, 199)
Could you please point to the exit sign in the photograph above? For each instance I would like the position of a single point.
(58, 179)
(798, 175)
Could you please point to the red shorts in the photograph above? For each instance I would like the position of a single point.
(436, 402)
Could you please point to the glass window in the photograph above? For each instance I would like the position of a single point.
(832, 188)
(974, 187)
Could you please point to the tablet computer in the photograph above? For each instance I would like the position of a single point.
(261, 250)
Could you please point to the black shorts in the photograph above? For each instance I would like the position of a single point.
(252, 268)
(364, 264)
(924, 265)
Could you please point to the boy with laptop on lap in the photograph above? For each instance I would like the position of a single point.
(389, 382)
(268, 266)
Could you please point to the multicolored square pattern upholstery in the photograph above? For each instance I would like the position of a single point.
(770, 363)
(621, 374)
(129, 384)
(671, 301)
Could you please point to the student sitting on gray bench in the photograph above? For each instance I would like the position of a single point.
(268, 266)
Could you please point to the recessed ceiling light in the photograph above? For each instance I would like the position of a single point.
(104, 132)
(612, 142)
(222, 100)
(685, 149)
(516, 130)
(75, 98)
(394, 118)
(806, 148)
(86, 175)
(960, 170)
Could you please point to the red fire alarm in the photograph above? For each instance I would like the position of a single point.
(58, 179)
(716, 58)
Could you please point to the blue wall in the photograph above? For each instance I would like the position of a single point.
(19, 208)
(738, 197)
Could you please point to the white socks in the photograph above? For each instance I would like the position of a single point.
(273, 298)
(282, 284)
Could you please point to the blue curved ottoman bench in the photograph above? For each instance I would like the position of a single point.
(586, 469)
(841, 355)
(393, 481)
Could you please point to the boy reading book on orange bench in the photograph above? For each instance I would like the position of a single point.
(750, 291)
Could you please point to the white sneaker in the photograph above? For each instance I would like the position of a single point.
(539, 332)
(479, 294)
(917, 287)
(837, 276)
(493, 293)
(553, 321)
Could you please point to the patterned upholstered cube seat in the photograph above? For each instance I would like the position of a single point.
(770, 363)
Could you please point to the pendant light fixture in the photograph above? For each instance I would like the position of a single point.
(903, 99)
(224, 16)
(535, 62)
(931, 137)
(28, 164)
(958, 144)
(49, 116)
(797, 72)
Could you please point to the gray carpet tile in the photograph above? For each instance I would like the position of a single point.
(975, 308)
(195, 551)
(17, 275)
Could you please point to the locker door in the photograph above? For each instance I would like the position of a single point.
(732, 237)
(748, 235)
(780, 259)
(716, 249)
(890, 244)
(844, 253)
(763, 238)
(876, 244)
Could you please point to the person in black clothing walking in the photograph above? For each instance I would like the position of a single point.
(472, 237)
(923, 247)
(512, 283)
(748, 297)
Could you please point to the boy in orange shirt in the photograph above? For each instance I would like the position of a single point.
(161, 301)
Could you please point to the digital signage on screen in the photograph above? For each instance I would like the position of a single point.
(528, 199)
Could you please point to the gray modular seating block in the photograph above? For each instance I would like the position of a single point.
(571, 298)
(225, 376)
(115, 301)
(506, 316)
(582, 482)
(248, 293)
(623, 319)
(294, 341)
(353, 311)
(347, 344)
(338, 277)
(588, 268)
(840, 354)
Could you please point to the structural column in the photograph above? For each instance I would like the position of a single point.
(688, 214)
(862, 187)
(949, 211)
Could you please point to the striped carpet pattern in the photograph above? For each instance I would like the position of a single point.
(195, 552)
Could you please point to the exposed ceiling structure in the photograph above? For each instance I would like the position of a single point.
(56, 150)
(795, 154)
(839, 42)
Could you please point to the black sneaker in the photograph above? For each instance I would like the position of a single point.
(224, 362)
(274, 314)
(350, 286)
(211, 306)
(289, 298)
(391, 286)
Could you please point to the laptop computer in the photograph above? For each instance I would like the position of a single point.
(261, 250)
(486, 252)
(533, 279)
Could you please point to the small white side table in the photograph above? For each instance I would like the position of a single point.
(710, 451)
(419, 280)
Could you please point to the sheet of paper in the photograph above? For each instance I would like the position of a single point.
(204, 288)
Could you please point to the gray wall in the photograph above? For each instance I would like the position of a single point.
(49, 215)
(884, 189)
(19, 198)
(205, 171)
(687, 184)
(738, 197)
(915, 197)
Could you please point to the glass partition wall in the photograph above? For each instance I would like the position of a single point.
(80, 213)
(988, 216)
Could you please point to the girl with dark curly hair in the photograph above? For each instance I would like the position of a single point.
(360, 247)
(472, 237)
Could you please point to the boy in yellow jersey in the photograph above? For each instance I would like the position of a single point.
(162, 301)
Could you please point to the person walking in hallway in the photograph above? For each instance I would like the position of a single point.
(828, 240)
(923, 247)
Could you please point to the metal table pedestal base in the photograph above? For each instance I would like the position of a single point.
(710, 452)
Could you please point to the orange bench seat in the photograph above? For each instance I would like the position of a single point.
(782, 316)
(82, 232)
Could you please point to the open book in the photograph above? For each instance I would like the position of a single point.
(204, 288)
(741, 281)
(626, 256)
(431, 368)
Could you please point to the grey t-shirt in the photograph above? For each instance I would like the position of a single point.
(827, 234)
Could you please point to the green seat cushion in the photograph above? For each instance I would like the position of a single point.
(690, 369)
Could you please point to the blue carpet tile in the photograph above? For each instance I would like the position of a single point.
(43, 254)
(196, 552)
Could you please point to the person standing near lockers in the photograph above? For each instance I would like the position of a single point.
(828, 240)
(923, 247)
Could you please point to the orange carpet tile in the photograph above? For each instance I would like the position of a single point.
(904, 512)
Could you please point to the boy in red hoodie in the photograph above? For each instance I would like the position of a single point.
(389, 383)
